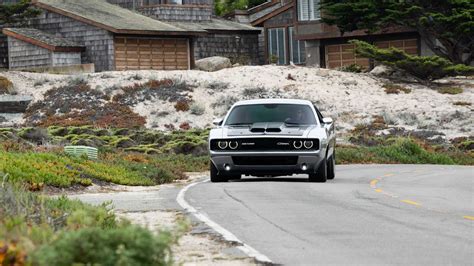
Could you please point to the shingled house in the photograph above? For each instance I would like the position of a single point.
(293, 32)
(166, 36)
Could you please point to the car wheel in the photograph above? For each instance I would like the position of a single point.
(331, 171)
(215, 176)
(320, 175)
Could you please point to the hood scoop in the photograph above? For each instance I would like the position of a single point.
(266, 127)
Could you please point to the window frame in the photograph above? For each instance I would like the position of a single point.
(301, 56)
(312, 14)
(269, 45)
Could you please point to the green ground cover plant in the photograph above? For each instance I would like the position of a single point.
(401, 150)
(38, 230)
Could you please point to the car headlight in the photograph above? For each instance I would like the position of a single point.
(308, 144)
(233, 144)
(222, 145)
(297, 144)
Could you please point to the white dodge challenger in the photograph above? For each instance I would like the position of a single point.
(272, 137)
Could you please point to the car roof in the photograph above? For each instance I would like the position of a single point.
(270, 101)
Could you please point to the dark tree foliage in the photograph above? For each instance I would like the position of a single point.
(422, 67)
(223, 7)
(447, 26)
(17, 13)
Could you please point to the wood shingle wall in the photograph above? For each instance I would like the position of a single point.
(178, 13)
(24, 55)
(240, 48)
(99, 42)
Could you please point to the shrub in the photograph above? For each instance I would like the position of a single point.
(6, 86)
(77, 81)
(423, 67)
(185, 126)
(399, 150)
(391, 88)
(182, 106)
(218, 86)
(462, 103)
(197, 109)
(450, 90)
(34, 134)
(166, 90)
(354, 68)
(135, 77)
(130, 245)
(62, 171)
(40, 82)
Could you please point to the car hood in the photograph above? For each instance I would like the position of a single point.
(268, 129)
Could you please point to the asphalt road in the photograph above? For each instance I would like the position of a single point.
(379, 215)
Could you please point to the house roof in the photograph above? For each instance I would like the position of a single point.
(272, 14)
(111, 17)
(215, 24)
(43, 39)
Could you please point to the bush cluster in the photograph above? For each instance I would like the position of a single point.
(422, 67)
(76, 104)
(36, 230)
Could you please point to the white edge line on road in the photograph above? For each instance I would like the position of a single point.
(248, 250)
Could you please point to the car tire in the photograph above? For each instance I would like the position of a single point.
(331, 170)
(320, 176)
(215, 176)
(235, 177)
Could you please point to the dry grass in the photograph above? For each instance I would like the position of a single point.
(450, 90)
(391, 88)
(461, 103)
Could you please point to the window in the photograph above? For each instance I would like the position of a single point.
(276, 46)
(308, 10)
(297, 51)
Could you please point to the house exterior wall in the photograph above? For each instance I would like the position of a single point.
(25, 55)
(133, 4)
(240, 48)
(3, 50)
(99, 43)
(283, 19)
(65, 59)
(178, 13)
(189, 10)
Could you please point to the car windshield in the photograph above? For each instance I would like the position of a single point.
(297, 114)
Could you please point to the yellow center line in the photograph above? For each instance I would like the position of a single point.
(469, 217)
(411, 202)
(387, 175)
(373, 183)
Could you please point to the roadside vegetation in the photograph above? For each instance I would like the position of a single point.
(38, 230)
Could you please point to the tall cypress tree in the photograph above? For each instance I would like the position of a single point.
(446, 26)
(17, 13)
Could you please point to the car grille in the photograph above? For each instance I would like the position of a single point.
(265, 144)
(267, 160)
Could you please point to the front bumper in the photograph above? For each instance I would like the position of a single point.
(305, 162)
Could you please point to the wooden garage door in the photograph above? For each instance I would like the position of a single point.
(410, 46)
(340, 55)
(343, 54)
(133, 53)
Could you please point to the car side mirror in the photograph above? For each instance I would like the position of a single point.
(217, 121)
(327, 120)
